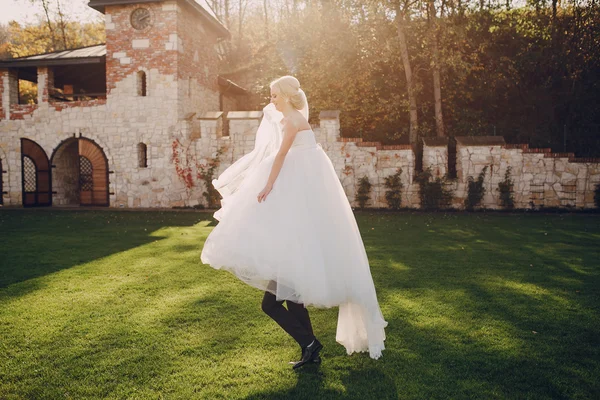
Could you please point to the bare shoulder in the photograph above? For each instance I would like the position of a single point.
(288, 126)
(299, 121)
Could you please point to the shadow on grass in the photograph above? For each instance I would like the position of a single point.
(507, 308)
(363, 383)
(39, 242)
(241, 341)
(478, 307)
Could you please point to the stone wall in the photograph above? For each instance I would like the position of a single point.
(117, 127)
(541, 177)
(350, 157)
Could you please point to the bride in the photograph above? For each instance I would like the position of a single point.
(286, 227)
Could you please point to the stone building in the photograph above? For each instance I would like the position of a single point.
(136, 123)
(101, 132)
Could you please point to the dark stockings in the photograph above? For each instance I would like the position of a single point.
(294, 320)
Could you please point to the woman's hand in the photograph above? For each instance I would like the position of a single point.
(263, 194)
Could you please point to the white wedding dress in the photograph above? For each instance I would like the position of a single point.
(304, 236)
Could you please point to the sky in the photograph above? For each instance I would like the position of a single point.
(24, 11)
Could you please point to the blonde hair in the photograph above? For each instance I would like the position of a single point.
(289, 87)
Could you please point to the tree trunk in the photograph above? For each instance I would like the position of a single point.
(240, 20)
(266, 8)
(49, 23)
(412, 96)
(435, 68)
(63, 25)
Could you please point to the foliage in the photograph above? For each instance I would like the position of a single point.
(211, 194)
(363, 194)
(28, 39)
(27, 92)
(433, 193)
(393, 196)
(20, 40)
(597, 195)
(475, 190)
(185, 162)
(505, 188)
(505, 70)
(4, 41)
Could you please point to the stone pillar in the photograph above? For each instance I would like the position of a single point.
(475, 152)
(45, 84)
(330, 126)
(9, 91)
(435, 155)
(3, 73)
(211, 125)
(242, 131)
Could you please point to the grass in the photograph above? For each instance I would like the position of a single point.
(109, 304)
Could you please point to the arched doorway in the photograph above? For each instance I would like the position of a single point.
(93, 174)
(35, 175)
(1, 181)
(80, 173)
(65, 173)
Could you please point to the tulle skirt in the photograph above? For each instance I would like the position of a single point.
(304, 237)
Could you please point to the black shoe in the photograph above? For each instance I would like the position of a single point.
(310, 354)
(315, 360)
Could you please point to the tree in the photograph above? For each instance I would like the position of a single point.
(526, 73)
(4, 41)
(401, 16)
(31, 39)
(435, 69)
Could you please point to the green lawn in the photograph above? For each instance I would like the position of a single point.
(116, 304)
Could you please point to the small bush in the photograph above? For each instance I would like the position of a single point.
(363, 193)
(211, 194)
(597, 195)
(393, 196)
(475, 190)
(432, 193)
(506, 191)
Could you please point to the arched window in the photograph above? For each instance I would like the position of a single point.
(142, 155)
(1, 175)
(86, 174)
(30, 175)
(141, 83)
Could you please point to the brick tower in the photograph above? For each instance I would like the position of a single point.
(167, 48)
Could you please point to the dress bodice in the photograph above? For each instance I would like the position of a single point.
(305, 139)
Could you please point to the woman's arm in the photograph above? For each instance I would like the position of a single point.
(289, 133)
